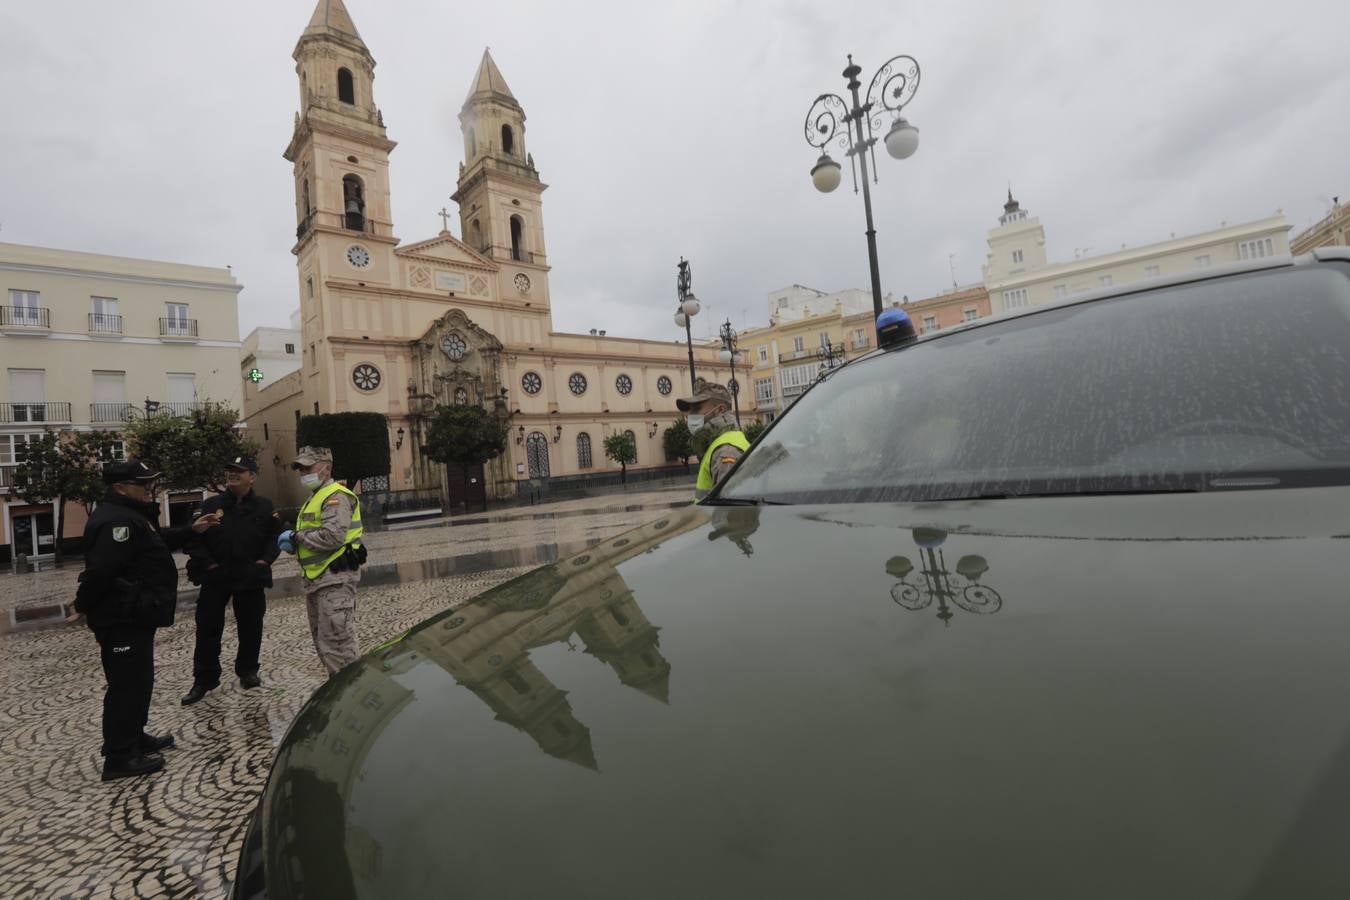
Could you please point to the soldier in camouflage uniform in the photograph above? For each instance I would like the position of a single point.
(327, 543)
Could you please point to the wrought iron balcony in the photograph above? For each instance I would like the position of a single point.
(303, 228)
(179, 409)
(38, 412)
(109, 413)
(795, 355)
(178, 328)
(104, 323)
(25, 318)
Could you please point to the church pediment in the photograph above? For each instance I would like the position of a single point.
(445, 248)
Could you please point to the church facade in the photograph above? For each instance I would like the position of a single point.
(400, 329)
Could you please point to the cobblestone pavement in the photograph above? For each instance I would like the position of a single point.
(63, 833)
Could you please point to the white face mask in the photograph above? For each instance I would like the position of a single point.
(311, 480)
(695, 422)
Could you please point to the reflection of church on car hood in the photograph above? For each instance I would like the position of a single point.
(486, 645)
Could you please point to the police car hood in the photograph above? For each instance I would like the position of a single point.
(1130, 696)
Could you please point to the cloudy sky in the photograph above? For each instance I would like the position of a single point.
(155, 128)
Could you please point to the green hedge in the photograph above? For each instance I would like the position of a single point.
(359, 441)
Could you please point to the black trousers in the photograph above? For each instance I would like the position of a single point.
(249, 607)
(128, 653)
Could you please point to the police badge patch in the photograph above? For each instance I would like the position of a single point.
(121, 533)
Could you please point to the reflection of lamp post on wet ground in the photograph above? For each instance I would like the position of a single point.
(729, 354)
(937, 583)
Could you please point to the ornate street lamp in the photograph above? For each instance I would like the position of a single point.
(831, 118)
(937, 582)
(729, 354)
(686, 311)
(830, 355)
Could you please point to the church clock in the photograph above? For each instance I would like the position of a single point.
(358, 256)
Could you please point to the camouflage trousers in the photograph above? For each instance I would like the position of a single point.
(332, 624)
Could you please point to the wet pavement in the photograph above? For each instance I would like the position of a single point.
(177, 833)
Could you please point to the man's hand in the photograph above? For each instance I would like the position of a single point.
(74, 617)
(210, 520)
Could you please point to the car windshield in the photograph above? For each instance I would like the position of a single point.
(1235, 382)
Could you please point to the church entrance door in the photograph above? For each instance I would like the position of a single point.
(469, 489)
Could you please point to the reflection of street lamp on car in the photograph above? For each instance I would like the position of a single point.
(832, 119)
(937, 582)
(729, 354)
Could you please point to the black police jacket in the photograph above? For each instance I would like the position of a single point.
(228, 554)
(129, 575)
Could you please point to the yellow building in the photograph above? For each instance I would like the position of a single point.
(88, 341)
(808, 331)
(1333, 230)
(399, 328)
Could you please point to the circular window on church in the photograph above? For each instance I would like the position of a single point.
(454, 345)
(624, 385)
(366, 377)
(523, 283)
(461, 397)
(531, 382)
(664, 386)
(577, 383)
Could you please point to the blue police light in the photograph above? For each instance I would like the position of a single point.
(894, 329)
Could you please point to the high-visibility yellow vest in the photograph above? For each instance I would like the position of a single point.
(705, 479)
(314, 562)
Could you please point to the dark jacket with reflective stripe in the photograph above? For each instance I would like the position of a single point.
(129, 575)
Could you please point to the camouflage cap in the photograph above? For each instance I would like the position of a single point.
(703, 390)
(308, 456)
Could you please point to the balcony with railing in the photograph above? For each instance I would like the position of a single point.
(795, 355)
(104, 323)
(36, 412)
(178, 329)
(25, 319)
(109, 413)
(861, 343)
(178, 409)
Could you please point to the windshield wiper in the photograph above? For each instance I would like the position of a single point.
(742, 501)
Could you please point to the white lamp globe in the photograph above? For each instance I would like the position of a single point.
(681, 320)
(690, 305)
(902, 140)
(724, 355)
(825, 174)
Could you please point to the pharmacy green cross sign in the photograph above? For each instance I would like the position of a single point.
(254, 375)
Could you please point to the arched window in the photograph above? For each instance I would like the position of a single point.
(354, 203)
(518, 684)
(477, 231)
(346, 90)
(508, 140)
(517, 238)
(633, 437)
(583, 451)
(473, 145)
(618, 615)
(304, 190)
(536, 454)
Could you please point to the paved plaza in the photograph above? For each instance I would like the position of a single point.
(63, 833)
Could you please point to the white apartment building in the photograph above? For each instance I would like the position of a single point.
(273, 352)
(1018, 273)
(88, 341)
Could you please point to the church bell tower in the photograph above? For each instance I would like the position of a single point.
(499, 191)
(340, 155)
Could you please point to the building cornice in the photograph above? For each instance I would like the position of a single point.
(79, 272)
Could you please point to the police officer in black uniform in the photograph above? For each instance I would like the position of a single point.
(232, 562)
(129, 587)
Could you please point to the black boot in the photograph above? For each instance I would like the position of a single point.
(131, 765)
(198, 692)
(251, 680)
(152, 743)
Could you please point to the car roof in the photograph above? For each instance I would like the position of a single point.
(1318, 255)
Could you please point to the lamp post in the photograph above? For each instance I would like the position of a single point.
(829, 357)
(831, 118)
(728, 354)
(688, 308)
